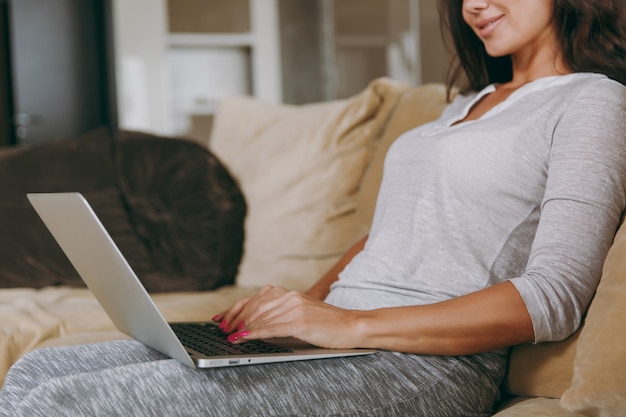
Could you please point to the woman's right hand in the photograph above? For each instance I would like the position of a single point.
(225, 318)
(277, 312)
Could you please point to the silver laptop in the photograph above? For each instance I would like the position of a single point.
(99, 262)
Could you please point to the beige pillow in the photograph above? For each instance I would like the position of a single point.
(542, 370)
(599, 383)
(536, 407)
(300, 168)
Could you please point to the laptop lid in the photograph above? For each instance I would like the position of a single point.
(99, 262)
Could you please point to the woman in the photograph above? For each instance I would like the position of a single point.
(489, 231)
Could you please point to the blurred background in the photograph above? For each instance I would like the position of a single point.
(162, 66)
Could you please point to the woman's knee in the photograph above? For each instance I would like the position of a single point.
(29, 367)
(51, 398)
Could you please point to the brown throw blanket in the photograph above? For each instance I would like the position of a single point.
(170, 205)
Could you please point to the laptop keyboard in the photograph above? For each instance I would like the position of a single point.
(211, 341)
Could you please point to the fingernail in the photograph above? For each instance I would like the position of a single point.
(241, 325)
(236, 336)
(216, 317)
(222, 324)
(227, 329)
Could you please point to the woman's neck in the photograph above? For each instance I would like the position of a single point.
(536, 61)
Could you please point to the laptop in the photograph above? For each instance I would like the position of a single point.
(99, 262)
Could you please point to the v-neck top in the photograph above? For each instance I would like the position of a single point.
(531, 192)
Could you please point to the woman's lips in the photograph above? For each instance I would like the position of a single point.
(487, 26)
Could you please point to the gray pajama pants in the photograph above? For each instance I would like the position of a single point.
(126, 378)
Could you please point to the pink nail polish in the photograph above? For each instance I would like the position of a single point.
(227, 329)
(216, 317)
(241, 325)
(236, 336)
(222, 324)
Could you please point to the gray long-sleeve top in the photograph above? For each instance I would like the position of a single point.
(532, 192)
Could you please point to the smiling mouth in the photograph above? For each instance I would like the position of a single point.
(484, 24)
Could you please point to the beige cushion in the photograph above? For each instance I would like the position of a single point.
(542, 370)
(536, 407)
(300, 168)
(599, 383)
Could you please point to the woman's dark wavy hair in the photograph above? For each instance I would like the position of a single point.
(592, 35)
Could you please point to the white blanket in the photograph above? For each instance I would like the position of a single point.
(55, 316)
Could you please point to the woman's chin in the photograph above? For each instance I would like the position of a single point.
(497, 52)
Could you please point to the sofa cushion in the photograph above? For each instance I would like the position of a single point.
(30, 257)
(186, 210)
(542, 370)
(535, 407)
(599, 384)
(300, 168)
(171, 207)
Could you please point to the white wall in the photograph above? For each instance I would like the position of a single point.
(266, 55)
(140, 29)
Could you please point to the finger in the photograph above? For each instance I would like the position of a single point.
(285, 310)
(219, 316)
(286, 320)
(314, 322)
(226, 317)
(271, 310)
(228, 320)
(262, 306)
(266, 332)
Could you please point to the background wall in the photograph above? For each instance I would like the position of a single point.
(141, 65)
(174, 56)
(301, 50)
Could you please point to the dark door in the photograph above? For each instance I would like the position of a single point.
(6, 95)
(61, 68)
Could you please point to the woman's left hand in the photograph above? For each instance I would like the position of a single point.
(277, 312)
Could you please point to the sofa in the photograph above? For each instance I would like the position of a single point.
(281, 191)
